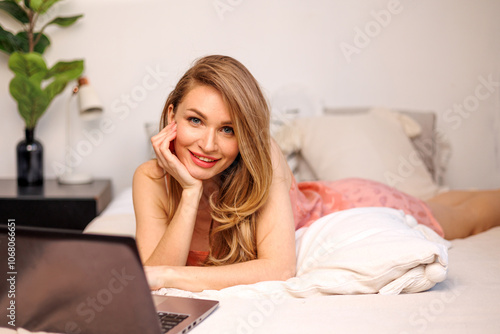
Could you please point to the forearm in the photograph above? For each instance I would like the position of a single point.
(173, 247)
(219, 277)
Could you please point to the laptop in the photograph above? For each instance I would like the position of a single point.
(68, 282)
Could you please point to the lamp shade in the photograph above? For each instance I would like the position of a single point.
(89, 104)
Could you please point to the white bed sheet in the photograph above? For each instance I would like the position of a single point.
(468, 301)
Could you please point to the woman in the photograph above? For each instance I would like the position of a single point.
(219, 206)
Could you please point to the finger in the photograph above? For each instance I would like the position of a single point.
(164, 133)
(165, 146)
(161, 143)
(166, 157)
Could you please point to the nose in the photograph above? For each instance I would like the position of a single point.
(209, 141)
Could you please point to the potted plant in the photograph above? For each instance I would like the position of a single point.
(34, 84)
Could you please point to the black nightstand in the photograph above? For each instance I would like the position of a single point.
(53, 205)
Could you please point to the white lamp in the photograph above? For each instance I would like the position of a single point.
(90, 108)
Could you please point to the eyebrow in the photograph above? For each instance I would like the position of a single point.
(204, 117)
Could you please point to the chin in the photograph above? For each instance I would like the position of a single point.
(201, 175)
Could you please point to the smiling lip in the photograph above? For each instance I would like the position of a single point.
(203, 161)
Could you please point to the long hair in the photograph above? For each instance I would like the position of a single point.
(244, 186)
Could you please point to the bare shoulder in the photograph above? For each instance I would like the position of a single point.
(149, 169)
(149, 182)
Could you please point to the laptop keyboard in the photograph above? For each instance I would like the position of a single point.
(170, 320)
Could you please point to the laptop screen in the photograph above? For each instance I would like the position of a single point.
(64, 281)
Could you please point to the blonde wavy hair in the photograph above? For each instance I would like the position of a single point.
(244, 186)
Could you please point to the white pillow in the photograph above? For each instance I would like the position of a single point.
(370, 145)
(368, 250)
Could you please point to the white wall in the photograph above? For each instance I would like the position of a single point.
(430, 55)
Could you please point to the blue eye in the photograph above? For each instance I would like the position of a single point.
(228, 130)
(194, 120)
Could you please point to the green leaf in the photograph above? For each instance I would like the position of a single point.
(62, 73)
(16, 11)
(8, 42)
(41, 6)
(55, 88)
(42, 43)
(29, 65)
(20, 89)
(35, 4)
(69, 70)
(40, 105)
(65, 21)
(40, 46)
(31, 100)
(30, 71)
(22, 40)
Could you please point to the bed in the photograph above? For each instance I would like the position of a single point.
(375, 270)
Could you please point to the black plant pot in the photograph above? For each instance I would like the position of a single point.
(29, 161)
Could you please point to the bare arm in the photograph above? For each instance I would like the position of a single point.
(275, 245)
(159, 242)
(215, 278)
(163, 242)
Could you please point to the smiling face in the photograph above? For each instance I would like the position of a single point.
(205, 142)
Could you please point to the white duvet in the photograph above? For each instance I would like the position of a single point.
(356, 251)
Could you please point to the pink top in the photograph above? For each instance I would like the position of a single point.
(196, 258)
(313, 200)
